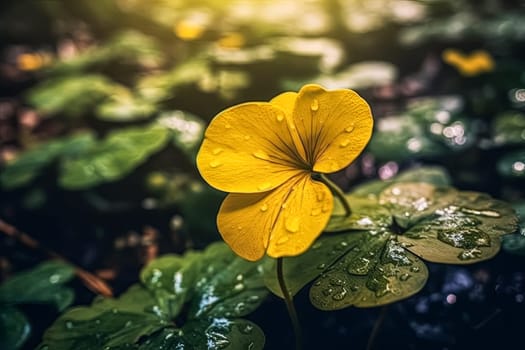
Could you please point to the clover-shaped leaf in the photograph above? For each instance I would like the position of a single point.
(373, 257)
(184, 302)
(112, 158)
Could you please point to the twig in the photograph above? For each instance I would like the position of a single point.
(92, 282)
(377, 327)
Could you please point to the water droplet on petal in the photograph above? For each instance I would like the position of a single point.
(314, 106)
(227, 126)
(283, 240)
(292, 224)
(264, 186)
(215, 163)
(316, 211)
(349, 129)
(216, 151)
(280, 117)
(344, 143)
(261, 155)
(264, 207)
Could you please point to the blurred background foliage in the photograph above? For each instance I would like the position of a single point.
(103, 105)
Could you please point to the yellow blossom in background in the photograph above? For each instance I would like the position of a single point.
(188, 30)
(232, 41)
(469, 65)
(265, 153)
(32, 61)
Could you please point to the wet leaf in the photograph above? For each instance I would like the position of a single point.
(407, 221)
(191, 301)
(107, 323)
(427, 128)
(360, 268)
(509, 129)
(125, 107)
(24, 169)
(512, 164)
(187, 130)
(14, 328)
(434, 175)
(127, 46)
(465, 231)
(112, 158)
(515, 243)
(71, 96)
(43, 284)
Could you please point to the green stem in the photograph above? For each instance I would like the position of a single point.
(337, 192)
(289, 305)
(377, 327)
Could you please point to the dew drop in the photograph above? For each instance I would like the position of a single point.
(292, 224)
(264, 186)
(316, 211)
(264, 207)
(247, 329)
(55, 278)
(69, 325)
(283, 240)
(238, 287)
(253, 299)
(321, 266)
(216, 151)
(261, 155)
(227, 126)
(340, 295)
(280, 117)
(328, 291)
(349, 129)
(314, 106)
(247, 137)
(344, 143)
(404, 277)
(215, 163)
(414, 269)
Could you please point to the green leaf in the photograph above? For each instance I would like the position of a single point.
(186, 302)
(187, 130)
(126, 46)
(14, 328)
(28, 166)
(512, 164)
(515, 243)
(124, 107)
(42, 284)
(108, 323)
(72, 96)
(509, 128)
(434, 175)
(428, 128)
(375, 259)
(112, 158)
(465, 231)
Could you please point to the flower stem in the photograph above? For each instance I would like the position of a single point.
(377, 327)
(337, 192)
(289, 305)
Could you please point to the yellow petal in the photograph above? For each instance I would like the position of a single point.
(248, 148)
(282, 222)
(334, 126)
(286, 102)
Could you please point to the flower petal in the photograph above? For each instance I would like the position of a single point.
(282, 222)
(334, 126)
(248, 148)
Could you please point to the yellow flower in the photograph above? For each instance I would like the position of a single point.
(469, 65)
(265, 154)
